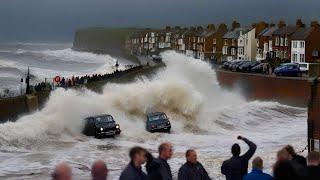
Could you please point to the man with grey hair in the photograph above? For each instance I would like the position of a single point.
(62, 172)
(257, 171)
(159, 168)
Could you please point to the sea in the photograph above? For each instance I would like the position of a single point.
(204, 116)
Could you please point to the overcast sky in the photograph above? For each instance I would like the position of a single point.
(41, 20)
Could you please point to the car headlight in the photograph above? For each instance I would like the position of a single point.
(101, 129)
(117, 127)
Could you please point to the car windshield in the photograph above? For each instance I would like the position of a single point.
(157, 117)
(103, 119)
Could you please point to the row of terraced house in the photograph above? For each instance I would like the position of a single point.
(260, 41)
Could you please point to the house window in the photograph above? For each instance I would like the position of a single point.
(301, 44)
(294, 44)
(214, 41)
(286, 41)
(240, 51)
(225, 42)
(233, 51)
(225, 50)
(302, 59)
(281, 42)
(295, 57)
(214, 49)
(277, 41)
(265, 47)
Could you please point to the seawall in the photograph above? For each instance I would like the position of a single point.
(285, 90)
(13, 108)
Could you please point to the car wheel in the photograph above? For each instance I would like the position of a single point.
(96, 135)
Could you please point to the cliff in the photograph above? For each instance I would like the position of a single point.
(103, 40)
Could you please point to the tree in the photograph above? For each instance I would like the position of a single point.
(168, 28)
(281, 24)
(199, 28)
(223, 27)
(211, 27)
(300, 24)
(315, 24)
(260, 26)
(177, 28)
(235, 25)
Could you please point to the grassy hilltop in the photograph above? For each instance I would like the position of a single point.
(103, 40)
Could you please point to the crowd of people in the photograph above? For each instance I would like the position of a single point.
(66, 82)
(288, 166)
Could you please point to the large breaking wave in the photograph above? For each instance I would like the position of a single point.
(203, 116)
(187, 90)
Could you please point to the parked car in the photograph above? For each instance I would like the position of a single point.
(304, 67)
(258, 68)
(288, 69)
(157, 122)
(246, 67)
(226, 65)
(101, 126)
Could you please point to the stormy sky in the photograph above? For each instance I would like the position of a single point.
(56, 20)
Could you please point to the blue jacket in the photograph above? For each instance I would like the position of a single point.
(257, 174)
(133, 173)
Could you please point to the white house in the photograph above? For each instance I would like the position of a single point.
(247, 44)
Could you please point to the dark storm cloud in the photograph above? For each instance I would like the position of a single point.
(57, 19)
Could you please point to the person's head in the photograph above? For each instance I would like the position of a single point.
(235, 150)
(284, 170)
(313, 158)
(138, 155)
(62, 172)
(257, 163)
(290, 150)
(191, 156)
(99, 170)
(283, 155)
(165, 151)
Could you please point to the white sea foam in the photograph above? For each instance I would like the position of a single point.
(203, 116)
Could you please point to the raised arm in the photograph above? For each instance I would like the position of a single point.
(252, 148)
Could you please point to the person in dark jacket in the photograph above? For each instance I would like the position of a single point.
(295, 157)
(236, 167)
(284, 155)
(313, 169)
(257, 171)
(158, 168)
(283, 170)
(192, 169)
(133, 171)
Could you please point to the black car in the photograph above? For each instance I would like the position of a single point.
(157, 122)
(101, 126)
(246, 67)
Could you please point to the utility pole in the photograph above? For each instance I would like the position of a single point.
(28, 90)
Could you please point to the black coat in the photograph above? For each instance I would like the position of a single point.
(190, 171)
(236, 167)
(300, 159)
(133, 173)
(313, 173)
(158, 169)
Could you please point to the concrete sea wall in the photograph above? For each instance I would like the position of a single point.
(13, 108)
(286, 90)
